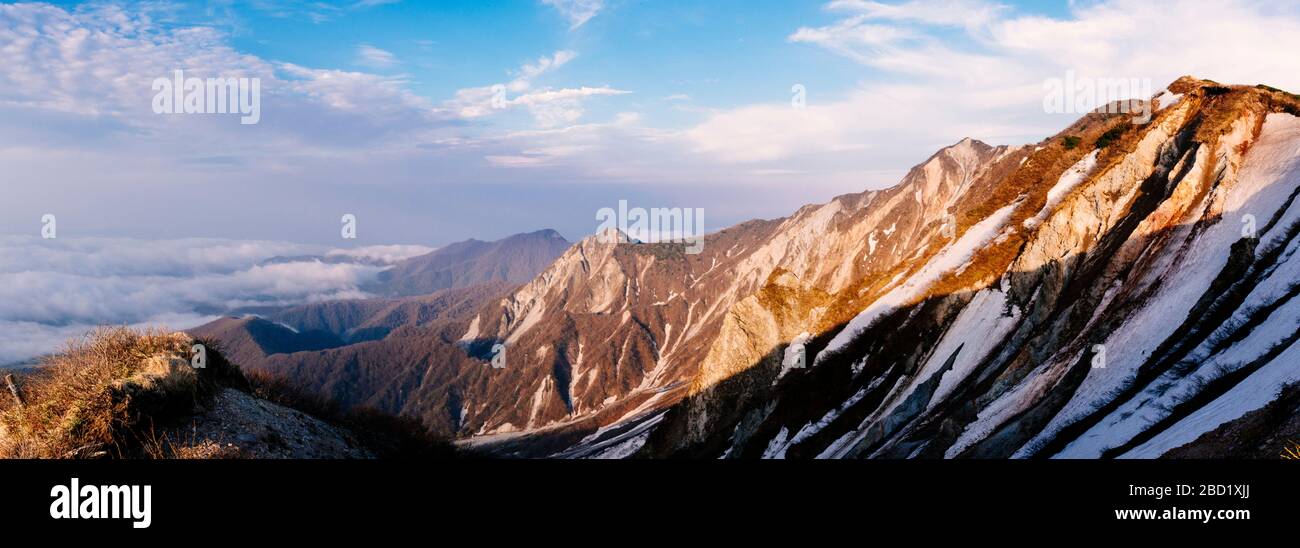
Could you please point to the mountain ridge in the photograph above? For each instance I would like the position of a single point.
(514, 259)
(949, 315)
(896, 426)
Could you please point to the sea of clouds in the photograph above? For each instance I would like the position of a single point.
(55, 290)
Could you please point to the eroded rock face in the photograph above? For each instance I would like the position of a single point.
(614, 331)
(1094, 301)
(238, 425)
(1092, 295)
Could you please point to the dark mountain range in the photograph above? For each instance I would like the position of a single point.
(364, 351)
(516, 260)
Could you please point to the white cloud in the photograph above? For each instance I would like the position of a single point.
(53, 289)
(549, 107)
(516, 160)
(73, 79)
(566, 94)
(558, 107)
(968, 68)
(879, 122)
(532, 71)
(387, 254)
(127, 257)
(477, 102)
(957, 13)
(377, 96)
(849, 36)
(1234, 40)
(24, 341)
(311, 10)
(578, 12)
(371, 56)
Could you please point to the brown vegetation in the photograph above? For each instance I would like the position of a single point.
(122, 393)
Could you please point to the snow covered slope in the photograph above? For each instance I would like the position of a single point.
(1122, 290)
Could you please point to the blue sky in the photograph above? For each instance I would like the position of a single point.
(723, 53)
(381, 108)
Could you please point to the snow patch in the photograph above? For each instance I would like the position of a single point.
(1251, 394)
(949, 258)
(1070, 179)
(777, 447)
(1167, 99)
(795, 355)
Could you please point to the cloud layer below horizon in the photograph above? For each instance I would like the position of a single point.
(53, 290)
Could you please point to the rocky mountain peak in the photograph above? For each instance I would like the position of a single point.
(953, 314)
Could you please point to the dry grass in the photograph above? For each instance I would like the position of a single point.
(121, 393)
(1292, 452)
(86, 402)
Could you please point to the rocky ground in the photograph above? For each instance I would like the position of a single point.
(1261, 434)
(238, 425)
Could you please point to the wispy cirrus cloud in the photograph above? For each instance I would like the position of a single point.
(477, 102)
(956, 13)
(371, 56)
(550, 107)
(315, 11)
(577, 12)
